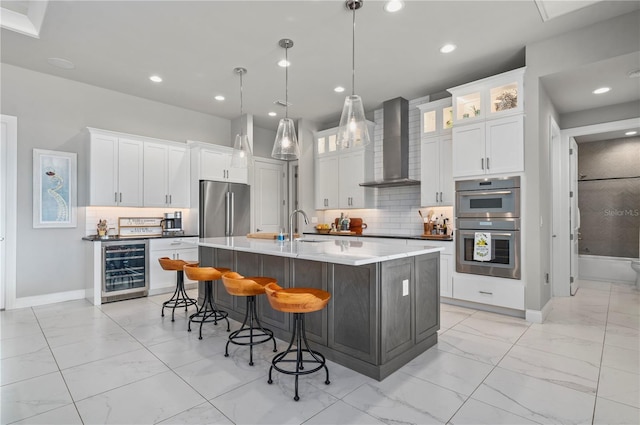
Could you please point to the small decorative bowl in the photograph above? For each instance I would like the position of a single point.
(323, 231)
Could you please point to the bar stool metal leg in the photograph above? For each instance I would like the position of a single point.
(208, 311)
(302, 346)
(248, 331)
(179, 297)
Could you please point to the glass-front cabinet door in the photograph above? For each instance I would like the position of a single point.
(489, 98)
(436, 117)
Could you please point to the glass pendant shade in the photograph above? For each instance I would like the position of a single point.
(353, 131)
(286, 145)
(241, 156)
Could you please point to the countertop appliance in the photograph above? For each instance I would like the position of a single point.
(224, 209)
(490, 207)
(125, 270)
(172, 224)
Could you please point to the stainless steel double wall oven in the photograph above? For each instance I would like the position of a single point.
(490, 206)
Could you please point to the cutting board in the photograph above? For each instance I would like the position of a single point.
(342, 232)
(266, 235)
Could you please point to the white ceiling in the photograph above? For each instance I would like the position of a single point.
(194, 46)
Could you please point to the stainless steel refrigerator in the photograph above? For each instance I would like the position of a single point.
(224, 209)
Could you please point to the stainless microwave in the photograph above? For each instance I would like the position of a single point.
(489, 198)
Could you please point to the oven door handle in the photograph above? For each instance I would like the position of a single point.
(501, 192)
(499, 234)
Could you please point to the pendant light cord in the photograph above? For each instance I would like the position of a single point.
(286, 82)
(353, 55)
(241, 132)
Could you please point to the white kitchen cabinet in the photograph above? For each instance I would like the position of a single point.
(115, 170)
(488, 133)
(436, 173)
(494, 291)
(436, 117)
(489, 98)
(436, 177)
(166, 175)
(338, 178)
(489, 148)
(215, 164)
(338, 173)
(160, 280)
(327, 182)
(353, 171)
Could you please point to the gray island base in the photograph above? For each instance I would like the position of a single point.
(385, 299)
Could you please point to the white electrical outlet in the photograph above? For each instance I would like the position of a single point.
(405, 287)
(314, 220)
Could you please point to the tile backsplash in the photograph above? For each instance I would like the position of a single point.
(112, 214)
(396, 211)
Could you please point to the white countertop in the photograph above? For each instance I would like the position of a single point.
(351, 253)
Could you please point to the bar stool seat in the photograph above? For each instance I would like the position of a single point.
(297, 301)
(208, 311)
(248, 287)
(179, 297)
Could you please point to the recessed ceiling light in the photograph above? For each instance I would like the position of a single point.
(339, 89)
(284, 63)
(448, 48)
(219, 98)
(156, 78)
(61, 63)
(393, 5)
(630, 133)
(272, 114)
(601, 90)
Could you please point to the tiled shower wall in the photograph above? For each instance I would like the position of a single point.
(609, 197)
(397, 208)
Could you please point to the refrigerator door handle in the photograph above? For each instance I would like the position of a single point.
(232, 214)
(227, 213)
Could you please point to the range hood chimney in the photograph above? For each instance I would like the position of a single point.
(395, 146)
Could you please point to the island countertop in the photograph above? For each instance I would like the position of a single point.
(351, 253)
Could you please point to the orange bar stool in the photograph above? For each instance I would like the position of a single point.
(208, 311)
(179, 297)
(297, 301)
(254, 332)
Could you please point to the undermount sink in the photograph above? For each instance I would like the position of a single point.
(311, 240)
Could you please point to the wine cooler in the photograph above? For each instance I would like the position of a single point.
(125, 271)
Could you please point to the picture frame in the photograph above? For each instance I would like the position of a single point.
(55, 189)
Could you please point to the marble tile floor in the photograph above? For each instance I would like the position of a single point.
(73, 363)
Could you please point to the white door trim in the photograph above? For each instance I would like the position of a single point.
(9, 211)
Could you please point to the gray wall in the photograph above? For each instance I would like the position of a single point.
(609, 197)
(604, 40)
(52, 114)
(610, 113)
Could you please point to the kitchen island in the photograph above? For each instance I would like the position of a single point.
(384, 308)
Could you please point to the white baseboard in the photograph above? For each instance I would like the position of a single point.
(538, 316)
(56, 297)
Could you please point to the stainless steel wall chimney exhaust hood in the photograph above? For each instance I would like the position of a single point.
(395, 146)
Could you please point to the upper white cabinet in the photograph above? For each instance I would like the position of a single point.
(436, 177)
(488, 133)
(136, 171)
(166, 175)
(436, 118)
(491, 147)
(115, 170)
(215, 164)
(338, 173)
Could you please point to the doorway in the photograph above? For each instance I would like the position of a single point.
(8, 209)
(565, 219)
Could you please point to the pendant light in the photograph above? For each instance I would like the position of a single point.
(353, 131)
(286, 144)
(241, 156)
